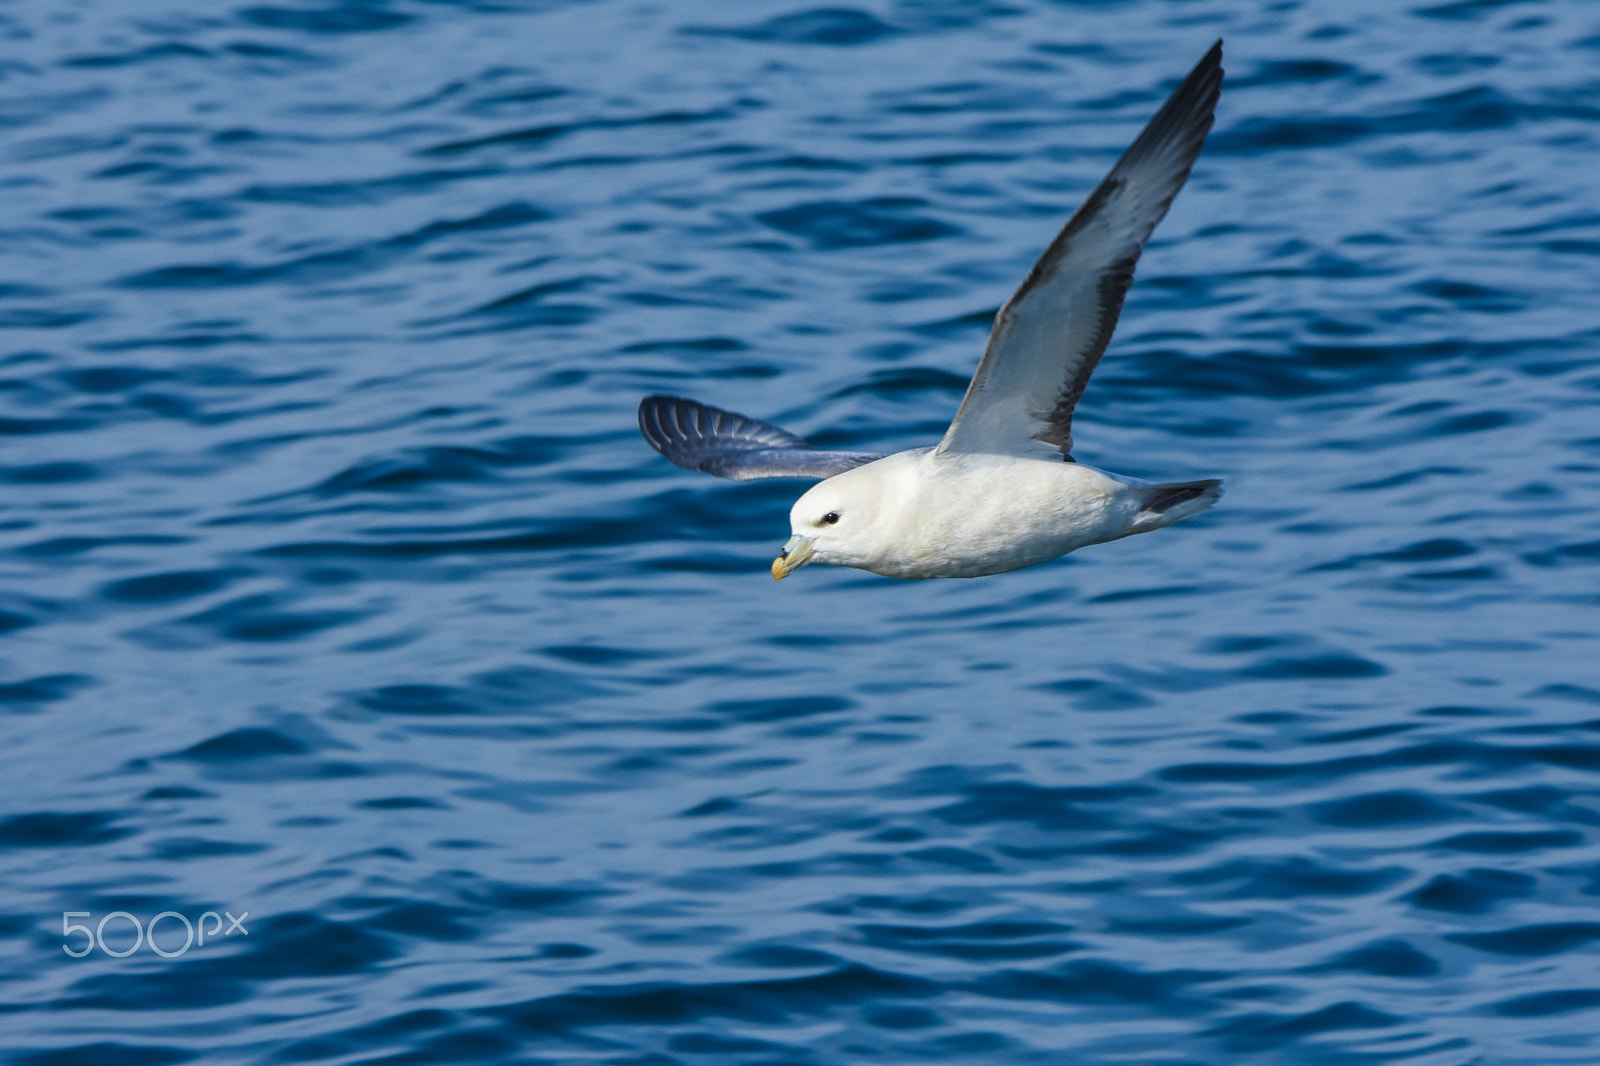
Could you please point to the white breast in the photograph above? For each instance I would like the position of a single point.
(968, 516)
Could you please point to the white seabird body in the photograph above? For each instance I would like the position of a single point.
(1001, 491)
(914, 515)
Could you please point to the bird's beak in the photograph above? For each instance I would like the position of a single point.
(796, 554)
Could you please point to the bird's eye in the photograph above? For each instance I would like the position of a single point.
(831, 518)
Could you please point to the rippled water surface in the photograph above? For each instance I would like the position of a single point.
(341, 594)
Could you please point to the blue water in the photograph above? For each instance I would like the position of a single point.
(341, 593)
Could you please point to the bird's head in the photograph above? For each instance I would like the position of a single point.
(839, 521)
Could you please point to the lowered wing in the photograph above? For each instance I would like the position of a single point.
(698, 437)
(1049, 336)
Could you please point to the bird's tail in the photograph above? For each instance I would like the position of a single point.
(1166, 504)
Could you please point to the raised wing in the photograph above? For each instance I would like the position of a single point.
(698, 437)
(1049, 336)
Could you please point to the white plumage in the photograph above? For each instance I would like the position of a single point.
(1001, 491)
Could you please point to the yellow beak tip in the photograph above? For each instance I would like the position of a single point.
(795, 554)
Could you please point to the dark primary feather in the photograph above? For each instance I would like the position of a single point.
(699, 437)
(1049, 336)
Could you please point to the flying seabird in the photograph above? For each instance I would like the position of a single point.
(1001, 491)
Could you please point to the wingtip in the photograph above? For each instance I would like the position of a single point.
(654, 412)
(656, 402)
(1210, 65)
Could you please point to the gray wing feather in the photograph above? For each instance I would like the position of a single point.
(699, 437)
(1049, 336)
